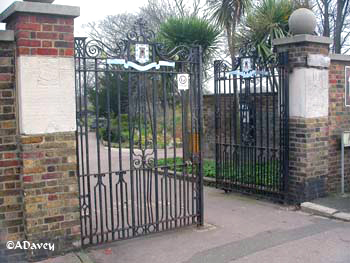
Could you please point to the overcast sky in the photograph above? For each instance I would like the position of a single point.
(91, 10)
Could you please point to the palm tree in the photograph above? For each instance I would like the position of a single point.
(227, 14)
(265, 21)
(190, 30)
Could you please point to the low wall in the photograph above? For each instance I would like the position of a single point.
(339, 121)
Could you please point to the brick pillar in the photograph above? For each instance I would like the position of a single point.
(308, 114)
(46, 122)
(11, 216)
(339, 121)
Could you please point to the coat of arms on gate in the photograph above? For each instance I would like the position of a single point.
(142, 53)
(246, 64)
(247, 69)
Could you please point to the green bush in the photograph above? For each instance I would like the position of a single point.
(116, 132)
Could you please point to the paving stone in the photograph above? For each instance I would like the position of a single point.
(342, 216)
(318, 209)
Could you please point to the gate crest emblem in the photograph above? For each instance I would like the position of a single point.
(142, 53)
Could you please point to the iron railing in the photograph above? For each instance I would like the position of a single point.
(251, 126)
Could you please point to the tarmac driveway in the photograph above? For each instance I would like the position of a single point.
(239, 229)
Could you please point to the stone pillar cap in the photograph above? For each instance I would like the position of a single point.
(39, 8)
(300, 39)
(340, 57)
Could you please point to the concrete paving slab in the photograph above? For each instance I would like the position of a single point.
(336, 201)
(318, 209)
(342, 216)
(334, 206)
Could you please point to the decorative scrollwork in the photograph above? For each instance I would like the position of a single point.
(123, 49)
(137, 163)
(270, 61)
(143, 160)
(179, 53)
(150, 162)
(97, 49)
(140, 32)
(221, 66)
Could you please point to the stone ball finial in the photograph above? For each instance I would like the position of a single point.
(40, 1)
(302, 21)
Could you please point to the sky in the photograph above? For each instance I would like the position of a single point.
(90, 10)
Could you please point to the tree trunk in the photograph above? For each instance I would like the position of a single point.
(326, 29)
(231, 30)
(338, 27)
(229, 43)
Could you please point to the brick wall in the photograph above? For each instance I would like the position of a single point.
(51, 199)
(225, 121)
(43, 34)
(339, 120)
(209, 126)
(266, 123)
(11, 211)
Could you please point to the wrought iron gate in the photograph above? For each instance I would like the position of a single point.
(136, 174)
(251, 125)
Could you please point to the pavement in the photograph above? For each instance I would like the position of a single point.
(238, 229)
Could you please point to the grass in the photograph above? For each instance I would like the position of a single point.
(208, 165)
(266, 174)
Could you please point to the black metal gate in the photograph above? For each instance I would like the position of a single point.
(136, 173)
(251, 126)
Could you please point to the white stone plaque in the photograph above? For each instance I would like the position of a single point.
(183, 81)
(46, 94)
